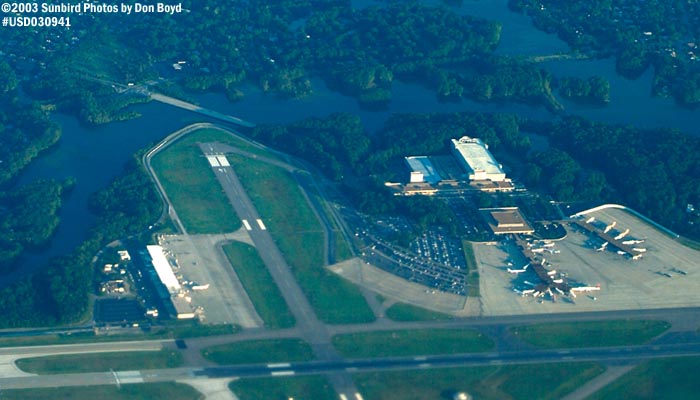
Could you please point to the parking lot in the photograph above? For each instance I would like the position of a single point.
(441, 248)
(667, 275)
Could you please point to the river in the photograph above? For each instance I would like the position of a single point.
(95, 155)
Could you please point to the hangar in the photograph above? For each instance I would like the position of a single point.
(477, 160)
(422, 170)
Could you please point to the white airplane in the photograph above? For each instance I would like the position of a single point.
(623, 234)
(633, 241)
(602, 247)
(589, 220)
(607, 228)
(586, 288)
(518, 271)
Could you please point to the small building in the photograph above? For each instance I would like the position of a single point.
(477, 160)
(506, 220)
(124, 255)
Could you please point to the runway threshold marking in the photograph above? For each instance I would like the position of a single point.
(261, 225)
(279, 365)
(247, 225)
(213, 161)
(343, 397)
(358, 396)
(282, 373)
(223, 161)
(129, 377)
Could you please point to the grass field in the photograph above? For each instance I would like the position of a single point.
(342, 248)
(192, 187)
(590, 334)
(298, 233)
(407, 312)
(259, 285)
(671, 379)
(145, 391)
(312, 387)
(100, 362)
(178, 330)
(534, 381)
(409, 343)
(184, 330)
(259, 351)
(472, 271)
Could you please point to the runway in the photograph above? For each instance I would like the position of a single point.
(310, 328)
(609, 354)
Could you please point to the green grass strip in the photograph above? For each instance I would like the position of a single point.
(590, 333)
(143, 391)
(100, 362)
(411, 343)
(472, 269)
(532, 381)
(258, 283)
(313, 387)
(407, 312)
(259, 351)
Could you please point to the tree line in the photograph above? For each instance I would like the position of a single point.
(658, 33)
(58, 293)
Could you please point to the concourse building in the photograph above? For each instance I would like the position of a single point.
(506, 220)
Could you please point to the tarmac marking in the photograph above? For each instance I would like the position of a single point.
(129, 377)
(421, 358)
(279, 365)
(213, 161)
(358, 396)
(282, 373)
(261, 225)
(247, 225)
(223, 161)
(343, 397)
